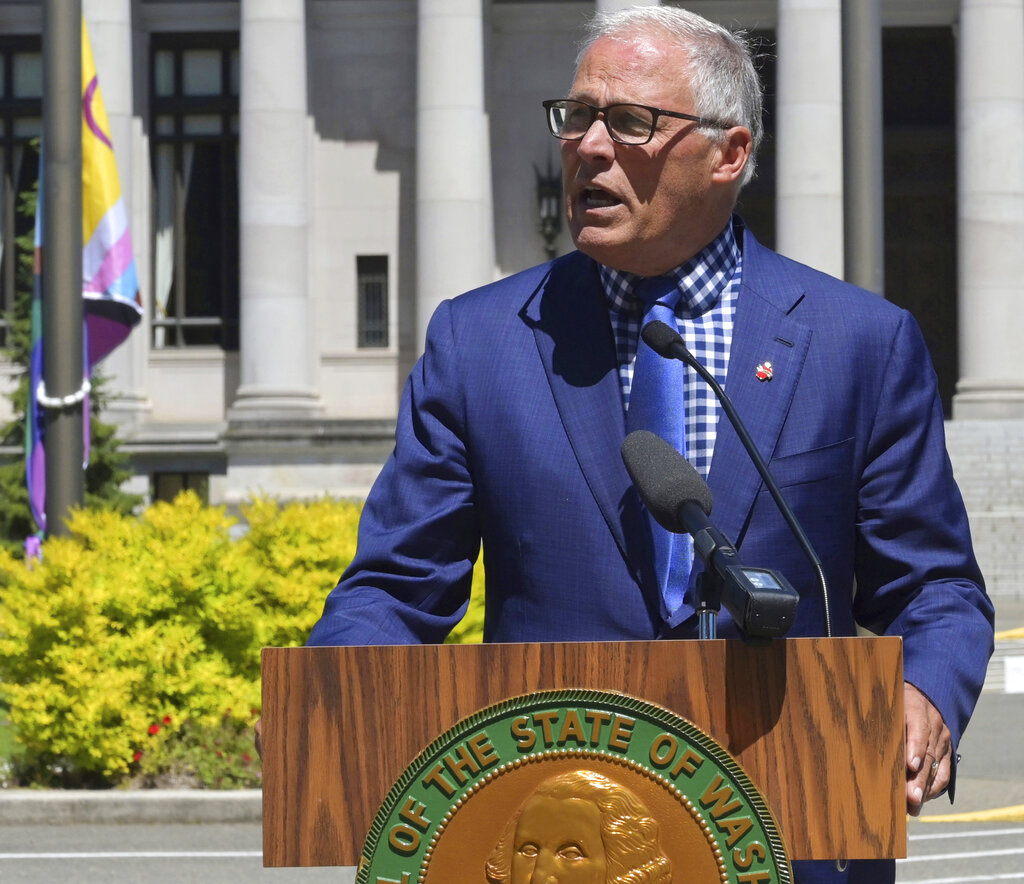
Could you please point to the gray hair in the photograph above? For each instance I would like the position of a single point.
(629, 834)
(720, 63)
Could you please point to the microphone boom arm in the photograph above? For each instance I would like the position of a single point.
(672, 347)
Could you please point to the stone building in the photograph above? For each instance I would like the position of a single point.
(307, 179)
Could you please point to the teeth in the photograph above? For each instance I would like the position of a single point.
(599, 199)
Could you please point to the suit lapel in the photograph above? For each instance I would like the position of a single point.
(569, 318)
(764, 331)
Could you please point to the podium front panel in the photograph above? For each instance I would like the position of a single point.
(817, 724)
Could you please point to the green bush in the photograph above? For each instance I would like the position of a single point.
(470, 630)
(130, 655)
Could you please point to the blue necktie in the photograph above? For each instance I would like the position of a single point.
(657, 403)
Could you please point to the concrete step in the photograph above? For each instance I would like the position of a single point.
(988, 462)
(1006, 668)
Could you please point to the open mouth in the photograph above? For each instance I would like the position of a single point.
(595, 198)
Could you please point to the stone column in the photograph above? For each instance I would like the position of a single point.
(277, 344)
(454, 224)
(991, 209)
(809, 190)
(110, 33)
(863, 141)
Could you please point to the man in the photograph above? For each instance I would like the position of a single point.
(511, 423)
(580, 827)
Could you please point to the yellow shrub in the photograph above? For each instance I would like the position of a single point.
(130, 623)
(470, 629)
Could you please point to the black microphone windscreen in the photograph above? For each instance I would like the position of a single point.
(665, 479)
(660, 337)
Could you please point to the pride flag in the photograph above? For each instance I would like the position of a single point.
(110, 285)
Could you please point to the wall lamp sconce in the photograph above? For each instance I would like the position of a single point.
(549, 206)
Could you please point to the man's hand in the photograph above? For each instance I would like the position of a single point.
(929, 749)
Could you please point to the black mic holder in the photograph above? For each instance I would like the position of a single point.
(760, 601)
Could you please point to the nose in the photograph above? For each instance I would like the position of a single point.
(543, 871)
(597, 142)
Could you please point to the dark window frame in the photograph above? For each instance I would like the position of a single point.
(372, 307)
(12, 224)
(166, 485)
(179, 326)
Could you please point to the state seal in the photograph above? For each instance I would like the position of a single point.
(574, 787)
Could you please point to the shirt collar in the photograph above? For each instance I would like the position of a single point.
(701, 280)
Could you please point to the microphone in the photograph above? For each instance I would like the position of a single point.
(760, 601)
(666, 341)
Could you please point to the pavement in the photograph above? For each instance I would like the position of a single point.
(990, 785)
(990, 779)
(116, 806)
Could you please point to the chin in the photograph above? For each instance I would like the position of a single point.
(598, 245)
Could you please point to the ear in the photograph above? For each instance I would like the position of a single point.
(733, 153)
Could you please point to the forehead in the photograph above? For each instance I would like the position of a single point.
(645, 69)
(545, 817)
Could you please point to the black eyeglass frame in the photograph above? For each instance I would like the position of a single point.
(602, 113)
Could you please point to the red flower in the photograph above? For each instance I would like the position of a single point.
(154, 729)
(167, 720)
(137, 756)
(247, 758)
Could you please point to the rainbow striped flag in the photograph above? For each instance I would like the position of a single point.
(110, 285)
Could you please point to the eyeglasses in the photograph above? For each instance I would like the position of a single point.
(570, 120)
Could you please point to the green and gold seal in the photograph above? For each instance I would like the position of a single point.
(575, 787)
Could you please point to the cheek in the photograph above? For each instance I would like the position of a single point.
(522, 868)
(569, 166)
(570, 159)
(654, 217)
(676, 197)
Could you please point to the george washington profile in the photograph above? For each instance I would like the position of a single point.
(579, 827)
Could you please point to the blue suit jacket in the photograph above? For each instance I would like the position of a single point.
(510, 431)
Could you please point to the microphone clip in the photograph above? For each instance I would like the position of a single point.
(760, 601)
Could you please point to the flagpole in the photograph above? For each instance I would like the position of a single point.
(62, 258)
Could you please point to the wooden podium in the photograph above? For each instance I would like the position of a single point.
(816, 723)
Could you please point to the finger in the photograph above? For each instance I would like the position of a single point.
(928, 749)
(921, 770)
(938, 778)
(926, 743)
(919, 734)
(929, 781)
(938, 760)
(917, 786)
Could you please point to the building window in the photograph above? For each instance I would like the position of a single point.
(167, 486)
(194, 137)
(919, 112)
(372, 286)
(21, 124)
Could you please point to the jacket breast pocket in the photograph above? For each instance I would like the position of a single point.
(815, 465)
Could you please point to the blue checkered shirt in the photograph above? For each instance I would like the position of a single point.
(709, 283)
